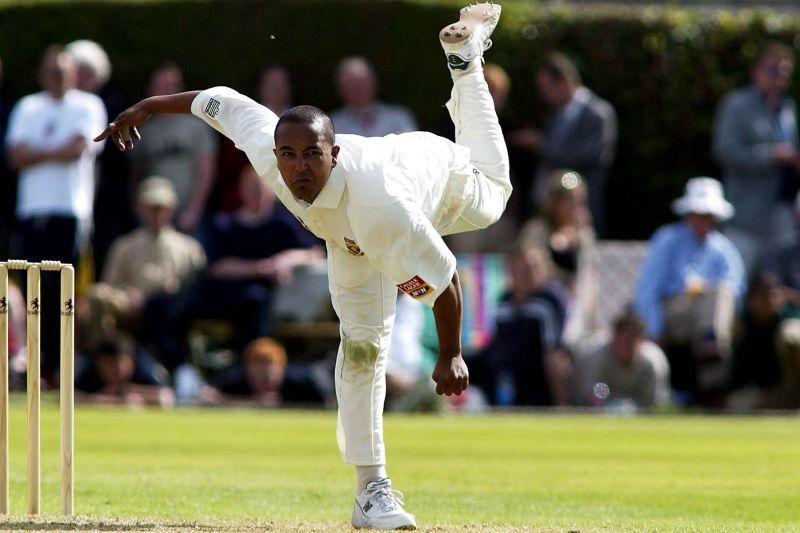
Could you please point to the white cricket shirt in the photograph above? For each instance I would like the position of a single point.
(385, 206)
(41, 122)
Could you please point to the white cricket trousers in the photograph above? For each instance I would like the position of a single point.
(366, 312)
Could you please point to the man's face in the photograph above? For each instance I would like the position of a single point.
(357, 88)
(275, 88)
(529, 271)
(624, 344)
(167, 80)
(305, 158)
(554, 92)
(773, 75)
(58, 73)
(156, 217)
(701, 224)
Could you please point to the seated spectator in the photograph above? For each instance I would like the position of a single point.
(525, 363)
(564, 229)
(249, 250)
(765, 352)
(687, 291)
(628, 369)
(118, 374)
(153, 260)
(784, 264)
(363, 114)
(266, 378)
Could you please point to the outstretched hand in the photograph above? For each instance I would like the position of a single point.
(123, 129)
(451, 375)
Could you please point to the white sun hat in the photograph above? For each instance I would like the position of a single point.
(703, 196)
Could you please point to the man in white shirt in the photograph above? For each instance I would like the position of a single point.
(48, 141)
(382, 205)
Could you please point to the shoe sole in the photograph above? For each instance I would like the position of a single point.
(360, 521)
(470, 17)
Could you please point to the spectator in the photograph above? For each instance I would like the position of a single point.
(249, 251)
(50, 142)
(8, 179)
(151, 263)
(118, 374)
(113, 214)
(688, 288)
(362, 113)
(768, 331)
(564, 229)
(273, 90)
(526, 363)
(179, 148)
(783, 263)
(627, 369)
(580, 133)
(267, 378)
(756, 144)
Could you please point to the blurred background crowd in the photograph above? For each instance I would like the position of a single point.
(196, 286)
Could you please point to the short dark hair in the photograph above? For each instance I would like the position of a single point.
(773, 50)
(114, 344)
(630, 320)
(311, 116)
(560, 67)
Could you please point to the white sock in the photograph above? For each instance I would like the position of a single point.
(365, 474)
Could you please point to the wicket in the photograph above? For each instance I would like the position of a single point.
(67, 377)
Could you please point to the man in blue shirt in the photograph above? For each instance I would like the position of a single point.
(688, 288)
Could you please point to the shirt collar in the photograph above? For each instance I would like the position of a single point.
(579, 99)
(331, 193)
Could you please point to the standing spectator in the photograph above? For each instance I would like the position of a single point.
(688, 288)
(8, 179)
(152, 262)
(362, 113)
(756, 144)
(526, 363)
(113, 215)
(767, 332)
(628, 368)
(564, 229)
(179, 148)
(274, 91)
(50, 142)
(580, 133)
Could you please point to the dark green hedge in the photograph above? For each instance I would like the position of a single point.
(663, 69)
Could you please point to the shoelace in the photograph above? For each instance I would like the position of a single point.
(388, 499)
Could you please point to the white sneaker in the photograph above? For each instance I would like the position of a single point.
(468, 38)
(380, 507)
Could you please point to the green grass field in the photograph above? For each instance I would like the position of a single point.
(279, 470)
